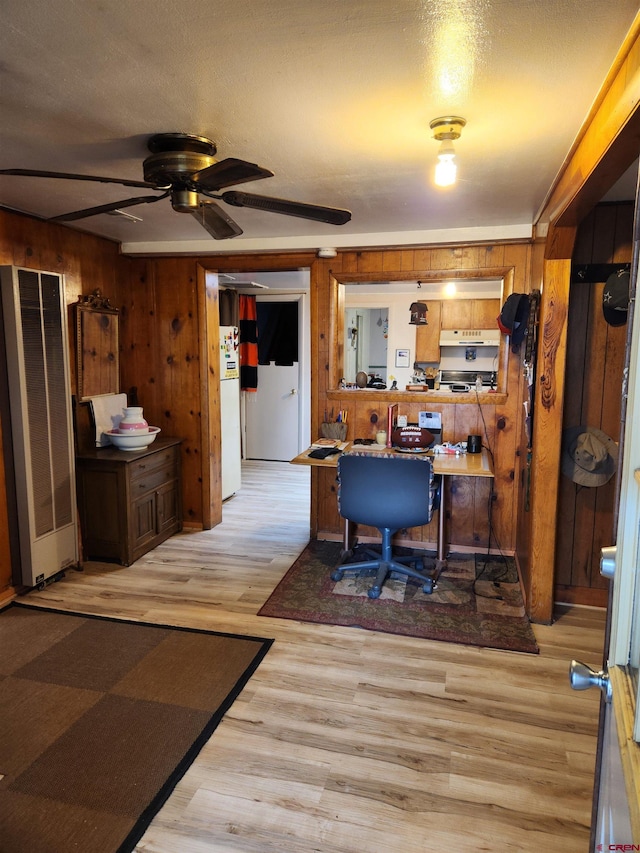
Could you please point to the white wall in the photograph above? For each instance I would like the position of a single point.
(401, 335)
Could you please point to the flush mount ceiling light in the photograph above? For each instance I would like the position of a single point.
(445, 130)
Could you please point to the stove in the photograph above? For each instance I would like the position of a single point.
(465, 380)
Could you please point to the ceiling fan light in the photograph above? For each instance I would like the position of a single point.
(184, 201)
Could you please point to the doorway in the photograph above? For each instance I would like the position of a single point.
(276, 416)
(595, 361)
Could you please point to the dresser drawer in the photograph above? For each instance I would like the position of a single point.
(161, 459)
(151, 480)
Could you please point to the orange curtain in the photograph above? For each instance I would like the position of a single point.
(248, 343)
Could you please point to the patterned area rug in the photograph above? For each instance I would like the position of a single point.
(478, 600)
(100, 719)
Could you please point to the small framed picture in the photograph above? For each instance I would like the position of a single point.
(402, 358)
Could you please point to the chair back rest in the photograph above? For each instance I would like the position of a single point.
(385, 490)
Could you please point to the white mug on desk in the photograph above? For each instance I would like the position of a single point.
(381, 437)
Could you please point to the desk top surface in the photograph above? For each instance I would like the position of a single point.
(463, 465)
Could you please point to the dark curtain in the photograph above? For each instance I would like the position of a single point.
(248, 334)
(277, 333)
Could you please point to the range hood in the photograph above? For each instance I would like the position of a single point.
(470, 338)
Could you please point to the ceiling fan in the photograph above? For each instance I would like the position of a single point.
(183, 168)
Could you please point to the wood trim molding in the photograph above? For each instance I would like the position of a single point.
(625, 710)
(547, 437)
(209, 335)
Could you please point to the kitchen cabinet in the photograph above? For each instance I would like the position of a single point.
(428, 337)
(484, 313)
(470, 313)
(129, 502)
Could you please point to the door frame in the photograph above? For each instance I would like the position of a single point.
(208, 271)
(625, 607)
(304, 365)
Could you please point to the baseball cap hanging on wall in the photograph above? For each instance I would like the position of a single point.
(513, 318)
(615, 298)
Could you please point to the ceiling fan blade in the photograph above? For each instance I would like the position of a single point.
(218, 223)
(106, 208)
(331, 215)
(68, 176)
(226, 173)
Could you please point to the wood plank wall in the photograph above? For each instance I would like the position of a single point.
(163, 291)
(467, 502)
(169, 326)
(160, 364)
(595, 359)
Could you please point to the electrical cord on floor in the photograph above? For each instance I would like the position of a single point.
(492, 534)
(492, 557)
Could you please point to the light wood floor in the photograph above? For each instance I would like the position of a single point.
(349, 741)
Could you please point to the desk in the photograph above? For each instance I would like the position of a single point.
(444, 465)
(448, 465)
(330, 462)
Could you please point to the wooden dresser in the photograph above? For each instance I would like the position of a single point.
(128, 502)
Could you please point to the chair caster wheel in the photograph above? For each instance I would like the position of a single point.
(337, 575)
(374, 592)
(428, 587)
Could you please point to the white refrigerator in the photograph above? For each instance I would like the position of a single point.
(230, 410)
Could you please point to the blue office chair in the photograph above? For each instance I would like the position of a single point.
(390, 491)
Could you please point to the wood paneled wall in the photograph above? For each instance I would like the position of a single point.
(169, 355)
(160, 364)
(160, 341)
(467, 504)
(160, 354)
(604, 149)
(595, 359)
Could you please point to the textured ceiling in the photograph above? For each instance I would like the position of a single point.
(334, 97)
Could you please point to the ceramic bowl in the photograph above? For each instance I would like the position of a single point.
(135, 441)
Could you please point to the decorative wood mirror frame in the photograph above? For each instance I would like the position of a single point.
(97, 346)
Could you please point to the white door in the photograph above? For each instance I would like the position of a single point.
(617, 788)
(272, 414)
(276, 414)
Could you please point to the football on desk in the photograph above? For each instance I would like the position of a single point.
(418, 438)
(411, 439)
